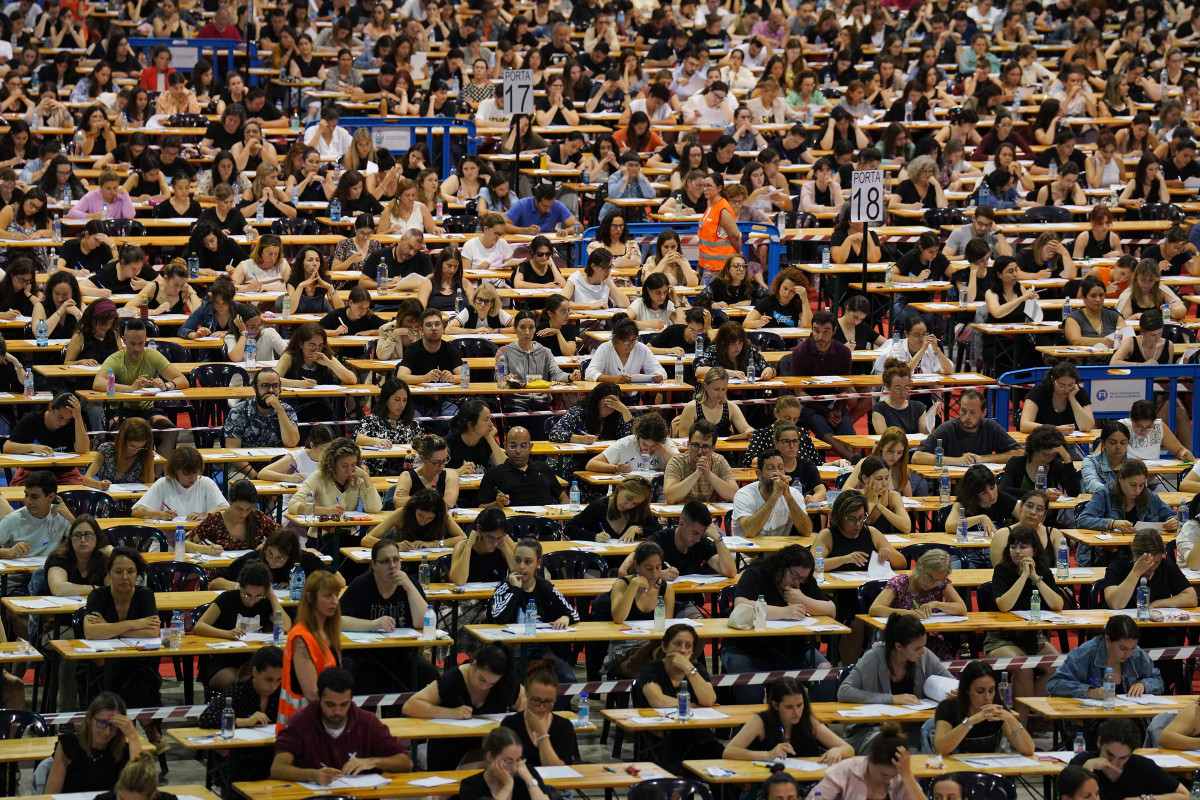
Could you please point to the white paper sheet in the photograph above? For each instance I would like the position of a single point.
(939, 687)
(348, 782)
(1169, 760)
(880, 569)
(984, 762)
(432, 781)
(697, 713)
(1033, 311)
(801, 765)
(1149, 700)
(473, 722)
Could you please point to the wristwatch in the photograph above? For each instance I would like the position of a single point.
(967, 722)
(533, 783)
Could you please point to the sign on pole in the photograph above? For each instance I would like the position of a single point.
(866, 196)
(518, 91)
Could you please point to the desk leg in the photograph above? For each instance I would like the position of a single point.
(188, 671)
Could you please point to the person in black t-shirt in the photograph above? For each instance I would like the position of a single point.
(1119, 772)
(403, 267)
(250, 608)
(1182, 166)
(976, 720)
(386, 599)
(690, 547)
(546, 738)
(89, 252)
(1062, 152)
(224, 134)
(430, 359)
(280, 552)
(519, 481)
(679, 339)
(58, 429)
(354, 318)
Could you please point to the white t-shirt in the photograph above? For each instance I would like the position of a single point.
(626, 451)
(487, 112)
(586, 292)
(465, 315)
(662, 114)
(336, 147)
(708, 116)
(167, 494)
(496, 255)
(749, 500)
(899, 349)
(641, 361)
(640, 311)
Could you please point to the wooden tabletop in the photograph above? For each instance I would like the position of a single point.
(737, 715)
(981, 621)
(1074, 708)
(756, 771)
(613, 631)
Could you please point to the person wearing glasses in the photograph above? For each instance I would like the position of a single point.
(699, 473)
(101, 744)
(547, 739)
(1044, 451)
(280, 552)
(431, 474)
(79, 564)
(250, 608)
(385, 599)
(519, 481)
(261, 421)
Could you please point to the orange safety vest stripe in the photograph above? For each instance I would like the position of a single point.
(715, 247)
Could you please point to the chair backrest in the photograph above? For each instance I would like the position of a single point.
(978, 785)
(670, 789)
(476, 348)
(1095, 593)
(785, 364)
(867, 594)
(573, 564)
(172, 352)
(724, 603)
(1038, 214)
(142, 538)
(766, 340)
(543, 529)
(958, 558)
(89, 501)
(984, 597)
(1178, 334)
(439, 571)
(219, 376)
(175, 576)
(16, 723)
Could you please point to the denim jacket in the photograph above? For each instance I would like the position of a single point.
(1102, 509)
(1084, 669)
(1096, 472)
(203, 317)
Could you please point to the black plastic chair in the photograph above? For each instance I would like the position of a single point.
(766, 340)
(669, 788)
(543, 529)
(784, 367)
(124, 227)
(724, 601)
(172, 352)
(295, 226)
(867, 594)
(472, 347)
(17, 724)
(1094, 596)
(439, 571)
(212, 413)
(958, 558)
(89, 501)
(151, 328)
(140, 537)
(984, 598)
(1178, 334)
(175, 576)
(978, 785)
(573, 564)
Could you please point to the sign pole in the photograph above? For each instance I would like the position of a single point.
(866, 207)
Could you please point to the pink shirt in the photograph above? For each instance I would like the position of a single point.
(847, 780)
(92, 203)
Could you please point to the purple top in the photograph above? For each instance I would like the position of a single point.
(92, 203)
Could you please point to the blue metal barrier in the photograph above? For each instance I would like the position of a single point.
(640, 229)
(1147, 375)
(183, 61)
(398, 133)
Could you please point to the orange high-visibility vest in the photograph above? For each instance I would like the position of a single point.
(715, 247)
(291, 698)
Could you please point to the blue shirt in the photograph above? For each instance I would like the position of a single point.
(524, 213)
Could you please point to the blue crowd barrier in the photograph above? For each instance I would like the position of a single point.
(400, 132)
(183, 61)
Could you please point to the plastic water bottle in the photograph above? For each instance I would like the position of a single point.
(429, 624)
(112, 384)
(1067, 301)
(939, 455)
(660, 615)
(1116, 196)
(423, 573)
(1041, 478)
(679, 368)
(250, 354)
(1035, 606)
(193, 267)
(1166, 310)
(825, 257)
(750, 372)
(440, 209)
(79, 143)
(296, 583)
(228, 720)
(699, 349)
(29, 390)
(43, 333)
(378, 138)
(819, 563)
(889, 276)
(1143, 601)
(287, 305)
(962, 296)
(260, 213)
(278, 637)
(150, 345)
(177, 631)
(908, 111)
(499, 370)
(1053, 169)
(1110, 689)
(944, 492)
(180, 546)
(1080, 746)
(685, 702)
(57, 229)
(35, 82)
(460, 301)
(573, 496)
(335, 210)
(104, 213)
(808, 116)
(583, 715)
(310, 505)
(295, 198)
(962, 528)
(678, 205)
(1064, 560)
(531, 619)
(760, 613)
(644, 467)
(295, 123)
(464, 377)
(1118, 335)
(1005, 691)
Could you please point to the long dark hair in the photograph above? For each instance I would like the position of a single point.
(21, 265)
(48, 183)
(428, 500)
(802, 731)
(389, 388)
(971, 673)
(975, 480)
(1023, 534)
(604, 427)
(728, 334)
(97, 566)
(467, 415)
(499, 660)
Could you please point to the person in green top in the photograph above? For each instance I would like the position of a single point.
(134, 369)
(805, 92)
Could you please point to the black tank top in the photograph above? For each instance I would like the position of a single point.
(1093, 248)
(842, 546)
(805, 747)
(1137, 356)
(636, 613)
(418, 484)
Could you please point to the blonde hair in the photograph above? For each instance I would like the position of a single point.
(320, 581)
(488, 292)
(786, 403)
(714, 374)
(891, 436)
(932, 561)
(140, 776)
(264, 170)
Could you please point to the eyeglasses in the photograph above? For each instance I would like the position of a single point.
(1034, 508)
(435, 325)
(540, 701)
(522, 446)
(275, 557)
(438, 462)
(83, 537)
(855, 520)
(703, 448)
(542, 254)
(1064, 386)
(271, 386)
(253, 598)
(790, 442)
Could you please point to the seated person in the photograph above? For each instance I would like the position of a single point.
(623, 515)
(887, 764)
(893, 671)
(979, 502)
(968, 439)
(547, 739)
(1042, 463)
(648, 443)
(251, 608)
(519, 481)
(506, 773)
(770, 506)
(636, 596)
(491, 677)
(692, 547)
(785, 580)
(1126, 501)
(678, 664)
(787, 728)
(1059, 400)
(487, 554)
(921, 592)
(699, 473)
(334, 737)
(1119, 772)
(976, 720)
(255, 703)
(1031, 510)
(1082, 673)
(99, 746)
